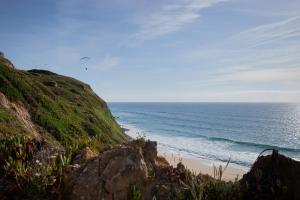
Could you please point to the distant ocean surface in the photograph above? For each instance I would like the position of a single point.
(215, 131)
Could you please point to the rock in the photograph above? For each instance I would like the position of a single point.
(70, 168)
(114, 173)
(84, 155)
(272, 177)
(111, 175)
(120, 169)
(161, 161)
(84, 183)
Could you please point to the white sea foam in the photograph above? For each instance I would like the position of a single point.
(212, 152)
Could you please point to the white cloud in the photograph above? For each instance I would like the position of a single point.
(171, 18)
(266, 8)
(274, 60)
(280, 74)
(285, 77)
(269, 33)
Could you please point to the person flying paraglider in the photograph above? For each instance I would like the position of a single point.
(84, 61)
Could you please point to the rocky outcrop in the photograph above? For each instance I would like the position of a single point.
(115, 171)
(273, 176)
(110, 175)
(5, 61)
(114, 174)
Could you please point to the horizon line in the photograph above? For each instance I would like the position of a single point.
(291, 102)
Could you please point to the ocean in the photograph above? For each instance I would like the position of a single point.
(215, 132)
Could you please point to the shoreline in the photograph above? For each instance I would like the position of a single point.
(201, 166)
(195, 165)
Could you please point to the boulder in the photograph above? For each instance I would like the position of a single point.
(273, 176)
(112, 174)
(131, 169)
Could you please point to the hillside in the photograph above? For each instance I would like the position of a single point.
(63, 109)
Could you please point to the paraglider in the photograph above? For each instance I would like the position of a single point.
(84, 61)
(84, 58)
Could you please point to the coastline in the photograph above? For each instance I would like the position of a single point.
(196, 165)
(201, 166)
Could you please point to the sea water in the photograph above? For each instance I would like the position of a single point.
(215, 132)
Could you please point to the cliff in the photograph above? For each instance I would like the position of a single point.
(53, 107)
(46, 117)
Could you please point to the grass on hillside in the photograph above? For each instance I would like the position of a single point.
(65, 107)
(8, 124)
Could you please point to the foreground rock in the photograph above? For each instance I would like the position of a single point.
(117, 171)
(133, 171)
(272, 177)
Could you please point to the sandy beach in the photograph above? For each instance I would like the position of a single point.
(200, 166)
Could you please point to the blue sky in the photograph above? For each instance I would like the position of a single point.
(161, 50)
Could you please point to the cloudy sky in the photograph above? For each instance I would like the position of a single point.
(161, 50)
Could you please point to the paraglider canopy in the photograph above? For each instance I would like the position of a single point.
(84, 61)
(84, 58)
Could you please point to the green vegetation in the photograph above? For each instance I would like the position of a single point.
(35, 177)
(8, 123)
(15, 152)
(221, 190)
(135, 193)
(203, 187)
(67, 108)
(62, 107)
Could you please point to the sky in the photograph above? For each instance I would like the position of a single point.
(161, 50)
